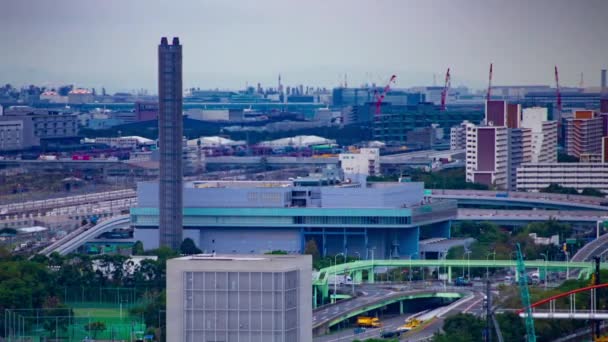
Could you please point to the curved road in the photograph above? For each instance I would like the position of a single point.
(86, 233)
(472, 302)
(591, 249)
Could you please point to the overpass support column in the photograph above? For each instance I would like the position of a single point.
(401, 307)
(370, 275)
(357, 277)
(449, 274)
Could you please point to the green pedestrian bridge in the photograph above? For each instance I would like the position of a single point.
(358, 270)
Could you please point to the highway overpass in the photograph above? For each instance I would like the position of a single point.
(357, 269)
(522, 199)
(520, 217)
(87, 233)
(330, 315)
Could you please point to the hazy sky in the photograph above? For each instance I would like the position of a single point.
(112, 43)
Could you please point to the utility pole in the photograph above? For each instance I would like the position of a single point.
(488, 311)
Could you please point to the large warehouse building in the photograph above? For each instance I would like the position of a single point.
(385, 220)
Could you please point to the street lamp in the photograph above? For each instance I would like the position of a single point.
(487, 266)
(545, 256)
(336, 274)
(352, 279)
(597, 227)
(410, 271)
(468, 253)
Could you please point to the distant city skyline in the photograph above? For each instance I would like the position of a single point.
(230, 44)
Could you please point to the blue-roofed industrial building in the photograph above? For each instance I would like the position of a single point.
(381, 220)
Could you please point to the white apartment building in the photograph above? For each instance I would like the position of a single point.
(544, 134)
(536, 176)
(458, 136)
(366, 162)
(487, 153)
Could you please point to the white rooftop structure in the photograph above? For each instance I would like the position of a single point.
(298, 141)
(215, 141)
(34, 229)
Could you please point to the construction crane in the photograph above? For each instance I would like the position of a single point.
(446, 89)
(525, 295)
(380, 96)
(558, 92)
(489, 94)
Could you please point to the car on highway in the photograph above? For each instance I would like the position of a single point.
(390, 334)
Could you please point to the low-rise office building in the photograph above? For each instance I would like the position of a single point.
(258, 217)
(239, 298)
(365, 162)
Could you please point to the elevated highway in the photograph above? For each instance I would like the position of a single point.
(525, 216)
(596, 247)
(522, 199)
(80, 236)
(374, 298)
(357, 269)
(21, 208)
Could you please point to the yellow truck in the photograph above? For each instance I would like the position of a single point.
(410, 324)
(368, 322)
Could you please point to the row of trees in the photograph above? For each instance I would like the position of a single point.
(558, 189)
(47, 282)
(492, 238)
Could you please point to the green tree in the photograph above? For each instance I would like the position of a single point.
(188, 247)
(138, 248)
(593, 192)
(512, 326)
(8, 231)
(558, 189)
(461, 328)
(565, 158)
(154, 302)
(56, 316)
(95, 328)
(277, 252)
(311, 249)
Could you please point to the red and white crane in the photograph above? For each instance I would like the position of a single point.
(558, 92)
(380, 96)
(446, 89)
(489, 94)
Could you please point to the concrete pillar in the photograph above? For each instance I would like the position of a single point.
(324, 293)
(449, 274)
(401, 307)
(370, 275)
(357, 276)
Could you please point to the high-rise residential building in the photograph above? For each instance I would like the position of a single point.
(544, 134)
(502, 113)
(487, 154)
(235, 298)
(605, 150)
(520, 152)
(603, 84)
(583, 133)
(366, 162)
(170, 135)
(458, 136)
(495, 149)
